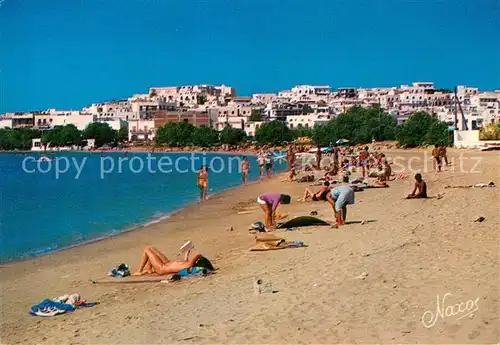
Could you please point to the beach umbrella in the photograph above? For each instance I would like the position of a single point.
(341, 141)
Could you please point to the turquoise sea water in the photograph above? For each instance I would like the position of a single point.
(42, 211)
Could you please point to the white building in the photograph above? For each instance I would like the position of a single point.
(140, 129)
(264, 98)
(5, 122)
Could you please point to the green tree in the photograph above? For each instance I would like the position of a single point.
(300, 131)
(204, 136)
(232, 136)
(323, 134)
(101, 132)
(17, 139)
(175, 134)
(256, 115)
(437, 134)
(122, 134)
(274, 132)
(420, 129)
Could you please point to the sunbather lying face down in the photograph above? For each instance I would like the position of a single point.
(154, 261)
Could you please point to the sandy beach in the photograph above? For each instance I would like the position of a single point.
(370, 283)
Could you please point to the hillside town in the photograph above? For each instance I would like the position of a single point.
(465, 108)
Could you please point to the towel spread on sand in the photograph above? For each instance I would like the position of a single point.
(50, 308)
(59, 305)
(192, 272)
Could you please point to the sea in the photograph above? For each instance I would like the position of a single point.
(78, 197)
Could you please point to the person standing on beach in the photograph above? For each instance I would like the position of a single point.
(318, 158)
(203, 183)
(363, 160)
(268, 163)
(443, 154)
(245, 167)
(261, 161)
(290, 157)
(269, 202)
(436, 153)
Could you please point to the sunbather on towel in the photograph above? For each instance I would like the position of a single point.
(154, 261)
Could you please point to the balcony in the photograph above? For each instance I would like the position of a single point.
(141, 132)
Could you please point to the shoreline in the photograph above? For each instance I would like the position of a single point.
(148, 223)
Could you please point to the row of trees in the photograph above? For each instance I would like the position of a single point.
(358, 125)
(68, 135)
(361, 125)
(184, 134)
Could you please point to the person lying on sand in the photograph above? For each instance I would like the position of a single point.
(339, 198)
(154, 261)
(269, 202)
(421, 186)
(319, 195)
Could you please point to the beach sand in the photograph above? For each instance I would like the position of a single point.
(368, 283)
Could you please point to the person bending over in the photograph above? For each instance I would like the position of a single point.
(154, 261)
(269, 202)
(339, 198)
(420, 186)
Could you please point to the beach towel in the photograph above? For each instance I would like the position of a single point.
(51, 308)
(191, 272)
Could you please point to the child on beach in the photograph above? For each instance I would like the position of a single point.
(339, 198)
(245, 166)
(269, 202)
(421, 186)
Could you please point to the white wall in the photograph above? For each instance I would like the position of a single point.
(468, 139)
(5, 123)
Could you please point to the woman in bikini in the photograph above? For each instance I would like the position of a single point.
(203, 183)
(320, 195)
(154, 261)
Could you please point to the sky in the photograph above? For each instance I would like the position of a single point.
(66, 54)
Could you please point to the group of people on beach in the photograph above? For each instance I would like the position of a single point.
(335, 185)
(335, 188)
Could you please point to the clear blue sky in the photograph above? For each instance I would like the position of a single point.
(70, 53)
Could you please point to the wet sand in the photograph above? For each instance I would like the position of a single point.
(366, 283)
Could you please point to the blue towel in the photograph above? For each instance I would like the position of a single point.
(50, 307)
(190, 272)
